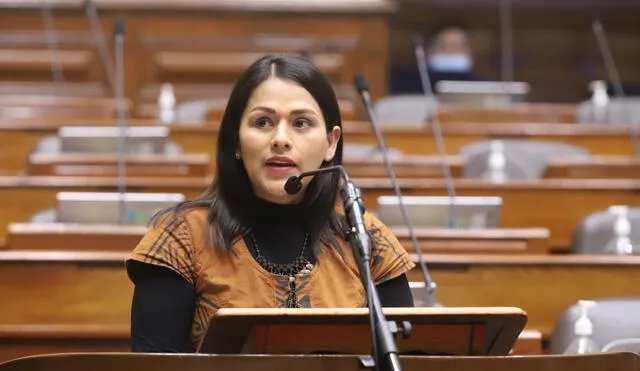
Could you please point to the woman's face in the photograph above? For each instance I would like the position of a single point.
(282, 134)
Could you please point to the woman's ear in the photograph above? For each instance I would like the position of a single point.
(333, 138)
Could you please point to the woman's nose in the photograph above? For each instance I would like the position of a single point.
(281, 139)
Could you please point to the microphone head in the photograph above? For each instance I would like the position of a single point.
(293, 185)
(118, 29)
(361, 83)
(417, 40)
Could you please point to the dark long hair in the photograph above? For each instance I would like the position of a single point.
(230, 197)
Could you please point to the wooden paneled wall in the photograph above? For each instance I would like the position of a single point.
(167, 42)
(553, 42)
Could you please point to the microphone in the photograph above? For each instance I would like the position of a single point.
(614, 77)
(122, 117)
(98, 35)
(506, 33)
(430, 286)
(293, 185)
(51, 37)
(385, 352)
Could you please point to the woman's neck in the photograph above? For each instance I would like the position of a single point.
(270, 214)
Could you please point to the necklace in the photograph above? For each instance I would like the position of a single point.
(294, 270)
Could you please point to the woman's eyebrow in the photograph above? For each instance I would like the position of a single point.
(303, 111)
(261, 108)
(293, 112)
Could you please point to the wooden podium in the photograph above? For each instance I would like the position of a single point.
(465, 332)
(425, 331)
(201, 362)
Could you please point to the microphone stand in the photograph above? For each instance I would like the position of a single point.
(430, 285)
(614, 76)
(385, 352)
(98, 37)
(122, 121)
(53, 44)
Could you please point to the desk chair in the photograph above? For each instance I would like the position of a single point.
(525, 159)
(44, 216)
(409, 110)
(621, 111)
(612, 318)
(596, 230)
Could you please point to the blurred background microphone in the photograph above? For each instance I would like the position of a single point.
(53, 44)
(430, 286)
(98, 37)
(614, 76)
(418, 47)
(122, 117)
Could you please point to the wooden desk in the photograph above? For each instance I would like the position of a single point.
(470, 241)
(25, 340)
(57, 106)
(69, 89)
(544, 286)
(514, 114)
(91, 164)
(75, 237)
(64, 288)
(420, 167)
(599, 140)
(170, 362)
(41, 60)
(596, 167)
(529, 343)
(554, 204)
(93, 287)
(19, 137)
(28, 195)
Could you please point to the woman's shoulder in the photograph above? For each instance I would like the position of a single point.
(389, 257)
(370, 219)
(192, 218)
(380, 233)
(172, 241)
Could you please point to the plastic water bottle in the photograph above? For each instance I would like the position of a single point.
(621, 242)
(599, 101)
(497, 161)
(166, 104)
(583, 331)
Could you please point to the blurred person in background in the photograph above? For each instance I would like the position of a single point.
(449, 57)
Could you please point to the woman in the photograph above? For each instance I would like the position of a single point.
(246, 242)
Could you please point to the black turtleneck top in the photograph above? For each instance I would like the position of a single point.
(280, 231)
(164, 303)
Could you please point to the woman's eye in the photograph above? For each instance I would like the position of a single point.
(262, 122)
(301, 123)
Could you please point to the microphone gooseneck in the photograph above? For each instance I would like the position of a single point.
(506, 40)
(293, 185)
(122, 118)
(418, 46)
(98, 35)
(363, 88)
(614, 77)
(445, 167)
(53, 44)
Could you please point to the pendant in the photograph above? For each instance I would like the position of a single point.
(292, 299)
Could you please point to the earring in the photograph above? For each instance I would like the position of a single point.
(237, 155)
